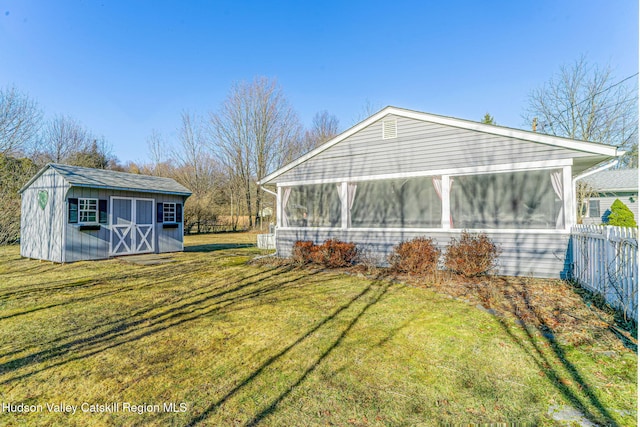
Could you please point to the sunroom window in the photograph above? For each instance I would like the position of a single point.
(396, 203)
(524, 200)
(316, 205)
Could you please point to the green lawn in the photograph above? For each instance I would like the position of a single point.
(239, 344)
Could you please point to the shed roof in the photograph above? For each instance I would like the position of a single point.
(614, 180)
(78, 176)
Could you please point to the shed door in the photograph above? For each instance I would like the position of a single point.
(143, 228)
(132, 226)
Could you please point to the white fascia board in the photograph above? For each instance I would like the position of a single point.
(36, 176)
(433, 230)
(506, 167)
(327, 145)
(589, 147)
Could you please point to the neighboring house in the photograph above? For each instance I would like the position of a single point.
(603, 188)
(401, 174)
(71, 213)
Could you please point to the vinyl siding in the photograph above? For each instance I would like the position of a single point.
(420, 146)
(42, 230)
(606, 202)
(91, 245)
(536, 255)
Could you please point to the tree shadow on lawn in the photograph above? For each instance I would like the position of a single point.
(370, 295)
(139, 326)
(579, 394)
(169, 274)
(218, 247)
(169, 278)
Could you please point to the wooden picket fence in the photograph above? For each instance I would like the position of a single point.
(605, 260)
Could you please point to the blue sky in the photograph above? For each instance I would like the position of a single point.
(123, 68)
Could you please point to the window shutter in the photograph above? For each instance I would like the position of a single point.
(102, 212)
(178, 212)
(73, 211)
(160, 209)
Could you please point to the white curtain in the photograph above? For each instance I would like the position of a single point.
(351, 196)
(437, 184)
(286, 192)
(556, 182)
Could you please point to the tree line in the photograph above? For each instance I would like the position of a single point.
(220, 154)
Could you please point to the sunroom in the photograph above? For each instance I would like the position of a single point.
(402, 174)
(516, 199)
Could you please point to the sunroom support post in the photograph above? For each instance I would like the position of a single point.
(568, 198)
(446, 206)
(279, 207)
(344, 197)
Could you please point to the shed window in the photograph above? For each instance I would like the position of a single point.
(169, 214)
(88, 210)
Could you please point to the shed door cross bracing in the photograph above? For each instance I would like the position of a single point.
(132, 226)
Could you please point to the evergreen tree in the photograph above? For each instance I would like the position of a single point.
(621, 215)
(488, 120)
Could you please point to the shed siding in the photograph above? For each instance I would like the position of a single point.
(90, 245)
(169, 239)
(42, 230)
(539, 255)
(420, 146)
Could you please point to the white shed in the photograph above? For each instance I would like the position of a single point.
(71, 213)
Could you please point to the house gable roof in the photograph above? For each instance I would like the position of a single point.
(78, 176)
(614, 180)
(595, 149)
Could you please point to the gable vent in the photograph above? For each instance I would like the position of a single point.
(389, 129)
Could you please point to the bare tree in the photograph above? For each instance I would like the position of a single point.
(197, 170)
(253, 133)
(323, 128)
(62, 137)
(586, 102)
(20, 121)
(584, 193)
(367, 110)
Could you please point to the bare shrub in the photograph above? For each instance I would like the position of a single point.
(418, 256)
(471, 255)
(302, 252)
(331, 254)
(336, 254)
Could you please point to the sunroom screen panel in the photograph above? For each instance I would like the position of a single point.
(397, 203)
(525, 200)
(313, 206)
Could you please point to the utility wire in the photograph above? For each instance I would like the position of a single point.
(591, 97)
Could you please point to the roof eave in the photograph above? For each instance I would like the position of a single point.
(132, 189)
(36, 176)
(584, 146)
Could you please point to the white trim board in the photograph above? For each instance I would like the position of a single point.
(584, 146)
(507, 167)
(430, 230)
